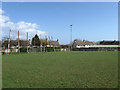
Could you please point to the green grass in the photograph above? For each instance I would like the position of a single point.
(83, 69)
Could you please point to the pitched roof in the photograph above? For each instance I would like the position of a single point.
(54, 43)
(15, 42)
(109, 42)
(90, 43)
(81, 43)
(24, 42)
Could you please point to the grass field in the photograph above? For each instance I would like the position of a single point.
(83, 69)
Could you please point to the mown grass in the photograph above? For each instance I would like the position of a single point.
(83, 69)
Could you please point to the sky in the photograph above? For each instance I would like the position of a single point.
(93, 21)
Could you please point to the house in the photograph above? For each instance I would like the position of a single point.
(108, 45)
(14, 45)
(53, 44)
(49, 43)
(93, 46)
(109, 42)
(46, 46)
(82, 45)
(65, 47)
(24, 43)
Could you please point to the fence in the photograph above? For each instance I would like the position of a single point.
(40, 49)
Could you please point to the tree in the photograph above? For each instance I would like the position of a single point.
(5, 44)
(4, 39)
(36, 40)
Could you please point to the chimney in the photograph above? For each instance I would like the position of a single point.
(27, 36)
(18, 35)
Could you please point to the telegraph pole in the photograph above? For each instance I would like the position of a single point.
(46, 42)
(40, 44)
(9, 40)
(49, 42)
(71, 38)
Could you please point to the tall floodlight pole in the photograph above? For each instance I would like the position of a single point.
(18, 43)
(9, 40)
(27, 42)
(71, 38)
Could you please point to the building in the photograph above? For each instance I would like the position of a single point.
(109, 42)
(14, 45)
(53, 44)
(93, 46)
(65, 47)
(108, 45)
(49, 43)
(82, 45)
(46, 46)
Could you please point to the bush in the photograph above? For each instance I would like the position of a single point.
(23, 49)
(50, 49)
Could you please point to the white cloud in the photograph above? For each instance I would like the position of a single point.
(1, 11)
(22, 27)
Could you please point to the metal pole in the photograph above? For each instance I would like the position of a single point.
(71, 38)
(46, 42)
(44, 45)
(9, 41)
(49, 42)
(18, 43)
(40, 44)
(27, 42)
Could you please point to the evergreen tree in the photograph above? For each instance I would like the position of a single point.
(36, 40)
